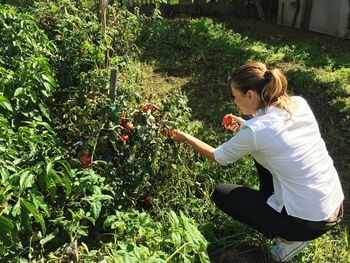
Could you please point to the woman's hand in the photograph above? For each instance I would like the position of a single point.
(199, 146)
(232, 122)
(174, 134)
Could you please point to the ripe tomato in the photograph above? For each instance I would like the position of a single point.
(85, 160)
(124, 137)
(230, 123)
(147, 107)
(227, 120)
(129, 126)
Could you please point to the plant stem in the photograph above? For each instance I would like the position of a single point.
(177, 251)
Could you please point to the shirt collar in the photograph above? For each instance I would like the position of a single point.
(267, 110)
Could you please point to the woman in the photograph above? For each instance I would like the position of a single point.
(300, 195)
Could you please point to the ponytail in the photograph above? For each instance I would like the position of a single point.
(270, 84)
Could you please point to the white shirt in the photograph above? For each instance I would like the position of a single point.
(304, 178)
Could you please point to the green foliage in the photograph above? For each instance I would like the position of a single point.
(138, 238)
(28, 84)
(28, 144)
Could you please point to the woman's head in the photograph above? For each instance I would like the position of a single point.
(256, 87)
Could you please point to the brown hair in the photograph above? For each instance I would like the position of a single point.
(270, 84)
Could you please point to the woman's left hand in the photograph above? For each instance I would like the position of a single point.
(232, 122)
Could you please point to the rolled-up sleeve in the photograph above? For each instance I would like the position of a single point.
(243, 143)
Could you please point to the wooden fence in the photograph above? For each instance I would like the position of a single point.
(238, 8)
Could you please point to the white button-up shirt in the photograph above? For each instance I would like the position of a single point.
(304, 178)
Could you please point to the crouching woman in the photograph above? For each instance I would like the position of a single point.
(300, 195)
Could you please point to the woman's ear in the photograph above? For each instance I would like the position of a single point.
(250, 94)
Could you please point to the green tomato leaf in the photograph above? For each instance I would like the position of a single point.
(5, 103)
(18, 91)
(44, 110)
(26, 179)
(6, 224)
(96, 208)
(38, 201)
(34, 211)
(46, 125)
(7, 231)
(16, 210)
(67, 184)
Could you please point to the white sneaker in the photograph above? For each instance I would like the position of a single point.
(283, 252)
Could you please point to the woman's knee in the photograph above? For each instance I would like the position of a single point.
(222, 192)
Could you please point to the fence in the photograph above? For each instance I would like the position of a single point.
(323, 16)
(252, 8)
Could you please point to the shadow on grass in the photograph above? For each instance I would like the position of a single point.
(239, 254)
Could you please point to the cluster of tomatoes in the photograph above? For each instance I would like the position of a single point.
(128, 126)
(124, 137)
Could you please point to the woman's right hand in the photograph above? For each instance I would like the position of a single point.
(232, 122)
(174, 134)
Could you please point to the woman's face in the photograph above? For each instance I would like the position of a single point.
(247, 103)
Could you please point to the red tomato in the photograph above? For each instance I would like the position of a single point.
(147, 107)
(227, 120)
(230, 123)
(129, 126)
(85, 160)
(124, 137)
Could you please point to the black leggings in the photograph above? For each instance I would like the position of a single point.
(250, 207)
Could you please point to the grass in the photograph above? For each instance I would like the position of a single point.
(317, 68)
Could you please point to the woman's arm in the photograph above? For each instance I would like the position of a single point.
(201, 147)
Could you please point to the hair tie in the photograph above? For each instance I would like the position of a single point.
(267, 76)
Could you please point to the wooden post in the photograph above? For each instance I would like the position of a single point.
(347, 32)
(306, 19)
(297, 10)
(113, 84)
(103, 18)
(260, 10)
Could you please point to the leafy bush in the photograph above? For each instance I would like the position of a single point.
(32, 168)
(29, 81)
